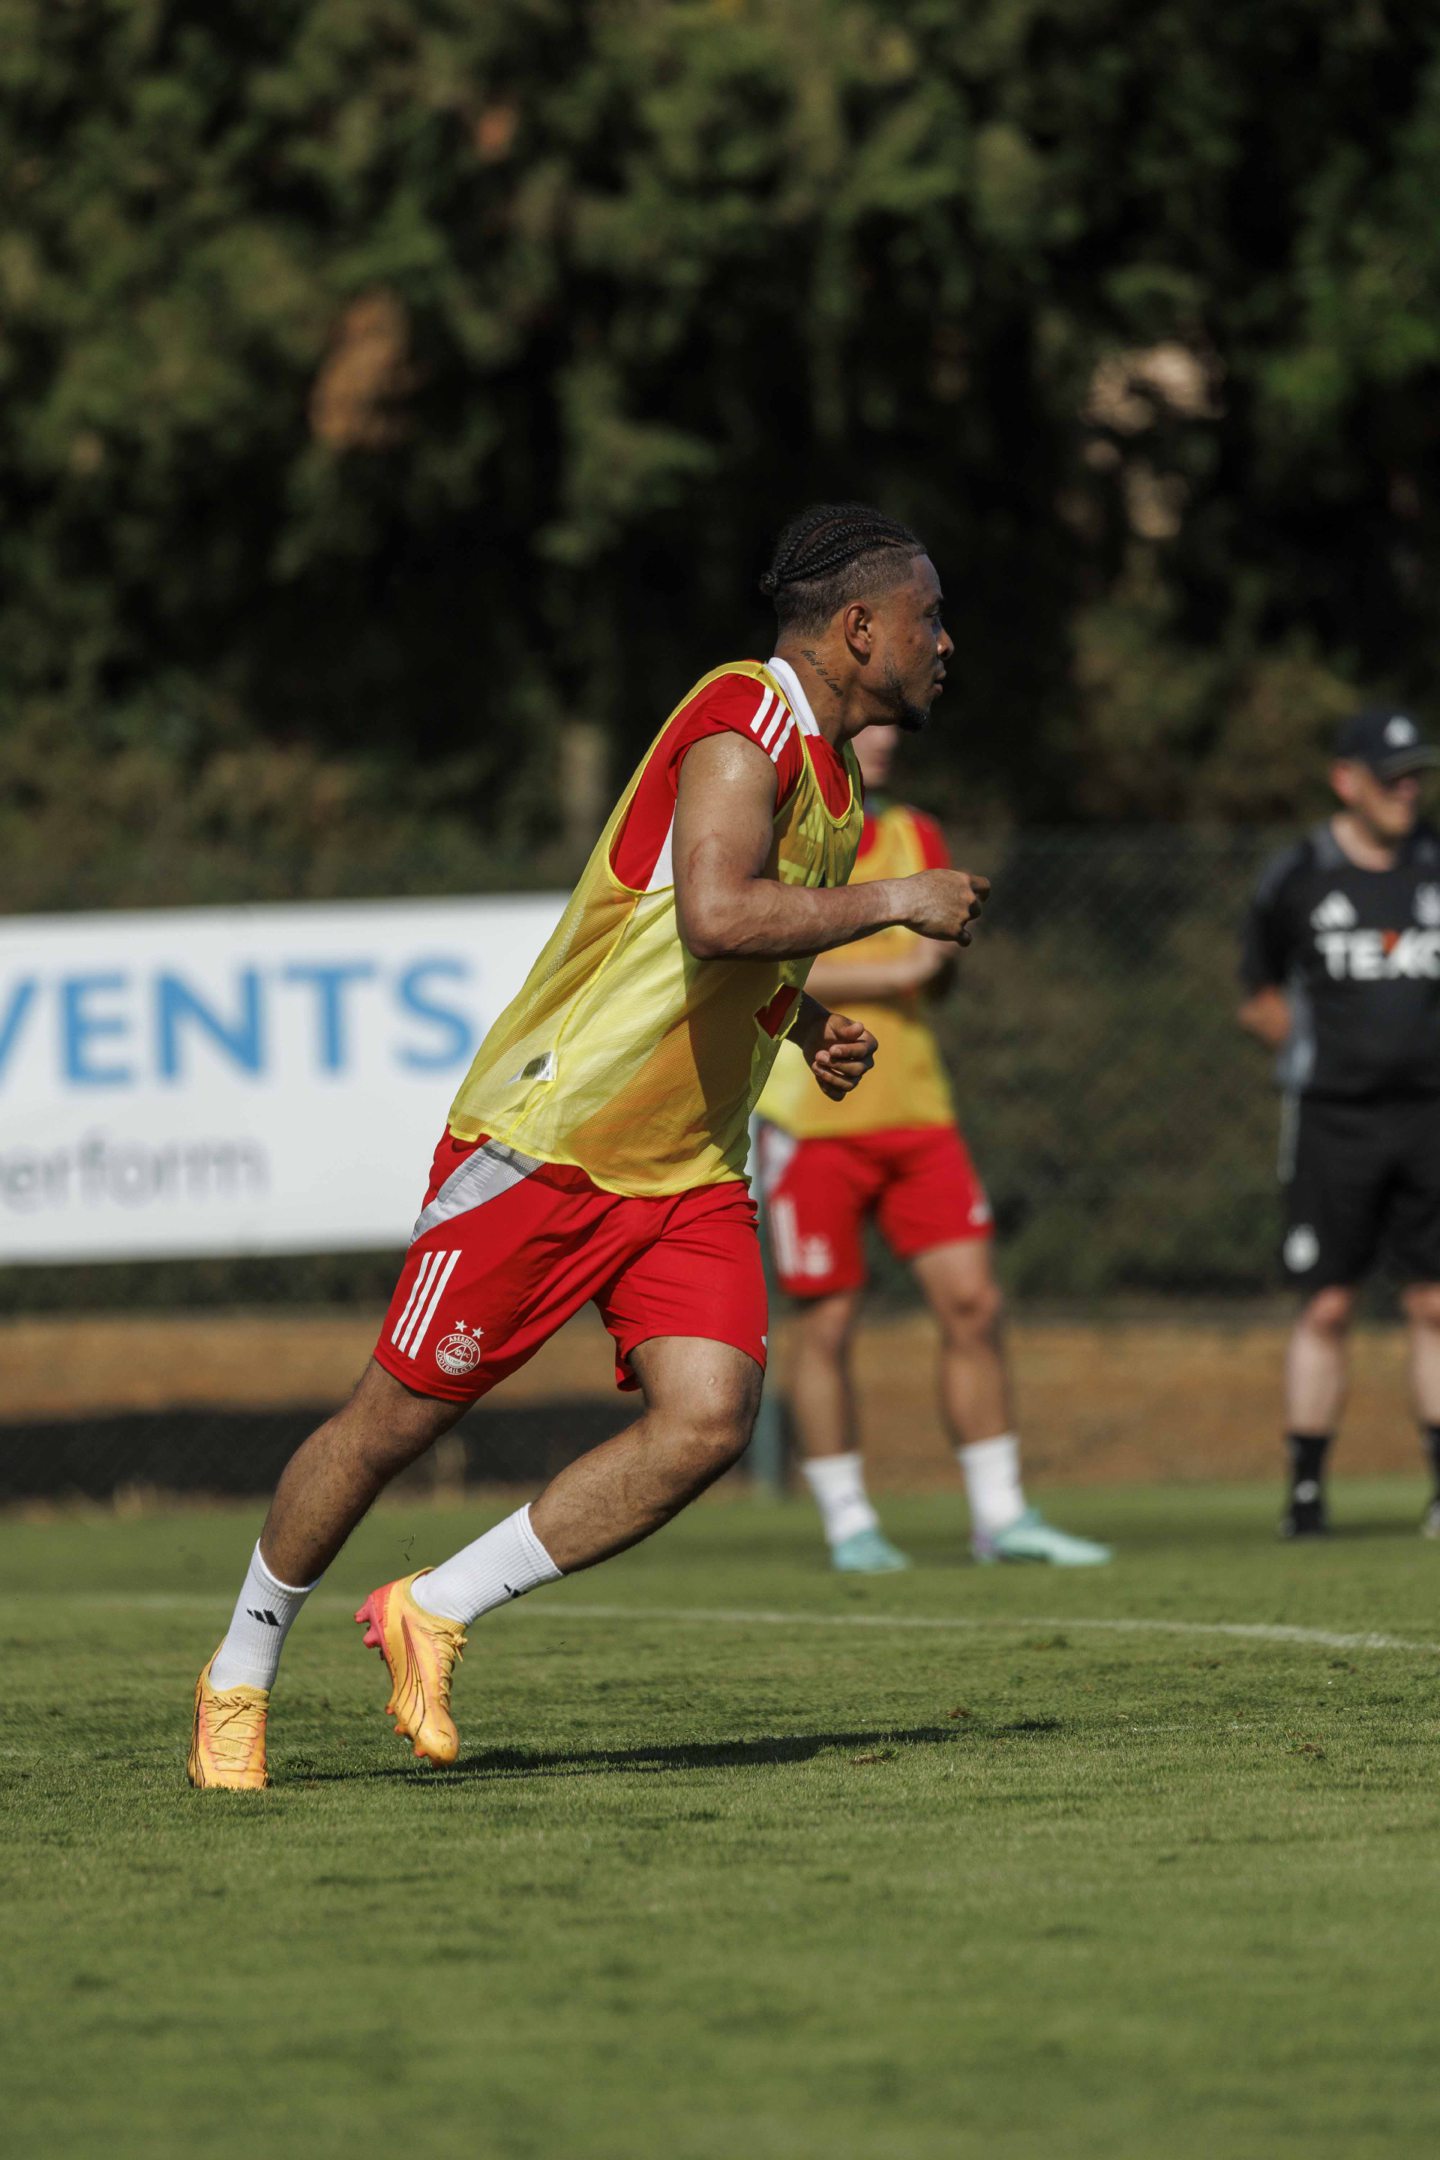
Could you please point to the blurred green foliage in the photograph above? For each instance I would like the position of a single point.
(386, 385)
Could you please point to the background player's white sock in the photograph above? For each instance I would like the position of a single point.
(250, 1653)
(500, 1566)
(991, 1470)
(838, 1484)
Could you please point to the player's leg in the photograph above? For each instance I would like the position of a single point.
(331, 1481)
(820, 1385)
(934, 1213)
(700, 1404)
(1422, 1311)
(687, 1312)
(1334, 1202)
(683, 1294)
(327, 1486)
(960, 1288)
(821, 1395)
(817, 1195)
(505, 1251)
(701, 1398)
(959, 1283)
(1316, 1373)
(1414, 1231)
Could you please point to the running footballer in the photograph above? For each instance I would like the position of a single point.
(597, 1148)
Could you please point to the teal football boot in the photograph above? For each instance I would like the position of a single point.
(867, 1553)
(1032, 1538)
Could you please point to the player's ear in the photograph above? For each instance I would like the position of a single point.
(1342, 779)
(858, 623)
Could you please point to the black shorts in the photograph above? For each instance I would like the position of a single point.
(1361, 1177)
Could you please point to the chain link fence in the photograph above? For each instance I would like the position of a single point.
(1125, 1128)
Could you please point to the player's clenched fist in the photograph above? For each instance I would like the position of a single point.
(942, 903)
(840, 1054)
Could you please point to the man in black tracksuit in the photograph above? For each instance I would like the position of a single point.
(1341, 970)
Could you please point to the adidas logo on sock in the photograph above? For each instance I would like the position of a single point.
(266, 1619)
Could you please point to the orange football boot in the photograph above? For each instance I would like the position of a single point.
(227, 1740)
(422, 1651)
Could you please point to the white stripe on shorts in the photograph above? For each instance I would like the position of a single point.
(431, 1277)
(787, 1236)
(417, 1289)
(439, 1280)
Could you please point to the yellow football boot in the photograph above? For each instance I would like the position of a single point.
(421, 1651)
(227, 1741)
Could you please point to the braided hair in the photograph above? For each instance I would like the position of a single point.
(830, 554)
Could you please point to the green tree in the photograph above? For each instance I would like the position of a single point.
(387, 386)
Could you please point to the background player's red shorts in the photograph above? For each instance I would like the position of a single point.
(508, 1248)
(918, 1182)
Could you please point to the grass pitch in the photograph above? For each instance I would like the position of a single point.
(742, 1858)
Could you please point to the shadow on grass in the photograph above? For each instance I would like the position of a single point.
(1407, 1530)
(768, 1752)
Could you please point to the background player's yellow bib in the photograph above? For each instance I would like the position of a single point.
(623, 1054)
(908, 1085)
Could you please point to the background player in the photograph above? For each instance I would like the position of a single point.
(897, 1157)
(597, 1147)
(1341, 968)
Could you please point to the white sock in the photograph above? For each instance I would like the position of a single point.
(992, 1483)
(838, 1484)
(501, 1566)
(264, 1610)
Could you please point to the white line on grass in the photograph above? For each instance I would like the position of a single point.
(1259, 1631)
(1244, 1630)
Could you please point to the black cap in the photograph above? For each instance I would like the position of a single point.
(1389, 742)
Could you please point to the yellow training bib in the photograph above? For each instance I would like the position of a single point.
(623, 1054)
(908, 1085)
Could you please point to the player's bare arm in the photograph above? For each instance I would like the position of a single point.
(838, 1051)
(1265, 1014)
(730, 908)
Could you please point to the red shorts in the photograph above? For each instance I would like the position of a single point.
(507, 1249)
(918, 1182)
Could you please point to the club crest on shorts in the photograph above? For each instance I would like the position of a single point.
(459, 1353)
(1302, 1249)
(1427, 906)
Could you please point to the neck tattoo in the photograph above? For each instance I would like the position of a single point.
(822, 671)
